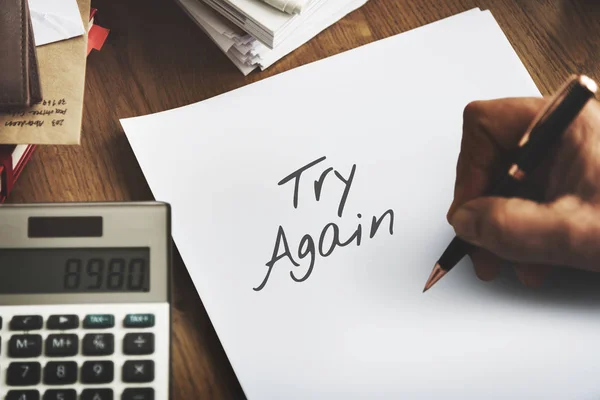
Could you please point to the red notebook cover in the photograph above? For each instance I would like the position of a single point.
(12, 161)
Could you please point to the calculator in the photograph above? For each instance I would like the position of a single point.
(85, 301)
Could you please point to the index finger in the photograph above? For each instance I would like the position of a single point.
(491, 128)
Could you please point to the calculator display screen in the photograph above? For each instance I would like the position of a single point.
(95, 270)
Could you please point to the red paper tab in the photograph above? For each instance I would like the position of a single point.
(96, 38)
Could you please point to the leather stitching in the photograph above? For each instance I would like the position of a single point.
(23, 54)
(33, 66)
(8, 101)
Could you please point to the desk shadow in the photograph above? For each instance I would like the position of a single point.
(129, 176)
(589, 4)
(563, 288)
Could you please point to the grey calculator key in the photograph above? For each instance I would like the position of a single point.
(60, 394)
(23, 395)
(60, 373)
(138, 343)
(26, 322)
(98, 344)
(62, 345)
(138, 371)
(63, 322)
(138, 394)
(96, 394)
(25, 346)
(23, 373)
(97, 372)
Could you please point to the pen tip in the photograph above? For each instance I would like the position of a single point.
(435, 276)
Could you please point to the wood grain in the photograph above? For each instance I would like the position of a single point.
(156, 59)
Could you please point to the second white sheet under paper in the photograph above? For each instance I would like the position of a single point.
(55, 20)
(359, 326)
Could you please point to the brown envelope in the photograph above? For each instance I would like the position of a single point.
(57, 119)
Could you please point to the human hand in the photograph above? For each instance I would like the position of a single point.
(560, 228)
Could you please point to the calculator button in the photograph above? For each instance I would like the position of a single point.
(62, 322)
(138, 343)
(138, 394)
(23, 395)
(25, 346)
(98, 344)
(98, 321)
(96, 394)
(26, 322)
(60, 394)
(0, 322)
(62, 345)
(139, 321)
(23, 373)
(60, 373)
(138, 371)
(97, 372)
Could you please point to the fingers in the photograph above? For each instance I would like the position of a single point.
(535, 236)
(566, 232)
(497, 124)
(490, 129)
(471, 182)
(487, 265)
(532, 275)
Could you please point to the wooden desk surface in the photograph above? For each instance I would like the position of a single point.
(156, 59)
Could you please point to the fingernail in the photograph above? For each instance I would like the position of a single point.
(463, 222)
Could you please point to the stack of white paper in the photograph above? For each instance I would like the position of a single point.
(263, 21)
(285, 225)
(248, 52)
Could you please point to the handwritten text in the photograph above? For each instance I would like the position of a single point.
(50, 111)
(330, 237)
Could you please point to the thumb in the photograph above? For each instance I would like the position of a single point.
(563, 233)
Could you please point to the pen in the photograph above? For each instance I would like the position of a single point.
(543, 133)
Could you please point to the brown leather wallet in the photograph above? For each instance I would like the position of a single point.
(19, 77)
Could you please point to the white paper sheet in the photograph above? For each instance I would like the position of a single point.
(55, 20)
(359, 327)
